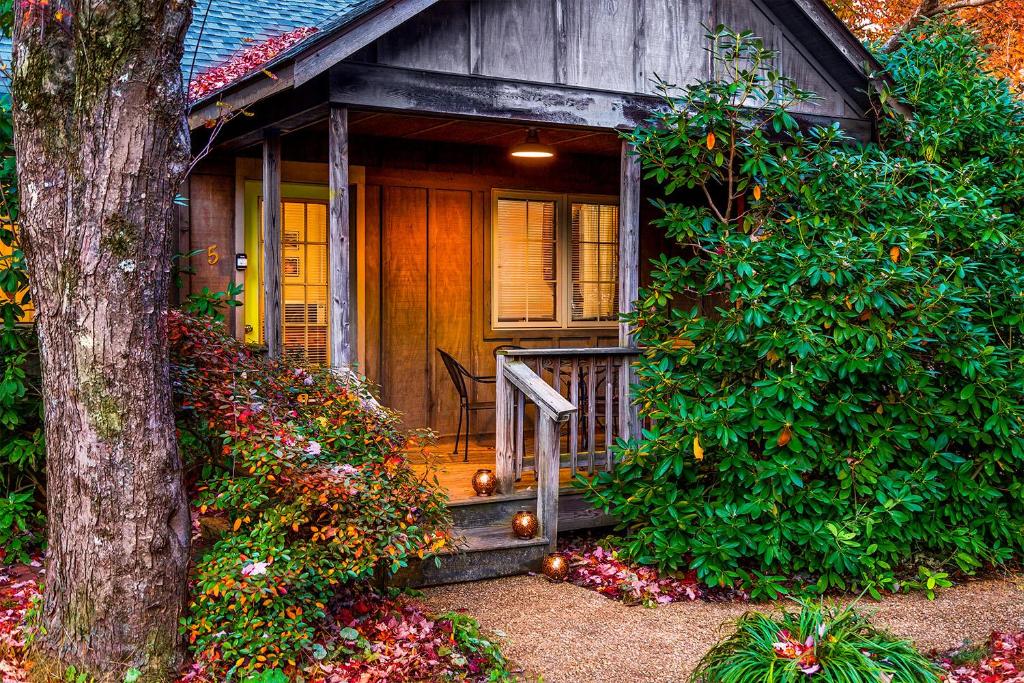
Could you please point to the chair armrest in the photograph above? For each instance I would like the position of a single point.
(484, 379)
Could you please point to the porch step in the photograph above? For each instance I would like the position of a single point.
(574, 513)
(482, 553)
(487, 548)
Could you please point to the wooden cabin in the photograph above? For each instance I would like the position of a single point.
(373, 206)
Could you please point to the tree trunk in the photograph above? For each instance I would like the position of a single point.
(102, 144)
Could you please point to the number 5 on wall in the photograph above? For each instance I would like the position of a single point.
(212, 257)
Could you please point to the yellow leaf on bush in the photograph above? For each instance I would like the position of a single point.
(757, 192)
(698, 450)
(894, 254)
(785, 436)
(711, 140)
(237, 524)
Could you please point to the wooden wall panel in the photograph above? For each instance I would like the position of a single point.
(791, 61)
(674, 42)
(608, 45)
(404, 304)
(600, 44)
(436, 40)
(372, 275)
(517, 39)
(212, 224)
(450, 298)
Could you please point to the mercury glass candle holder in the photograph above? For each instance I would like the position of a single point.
(484, 483)
(556, 567)
(524, 524)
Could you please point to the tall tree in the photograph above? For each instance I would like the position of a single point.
(999, 23)
(102, 144)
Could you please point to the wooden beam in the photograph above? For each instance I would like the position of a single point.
(398, 89)
(339, 241)
(629, 237)
(629, 279)
(548, 465)
(357, 36)
(504, 429)
(272, 242)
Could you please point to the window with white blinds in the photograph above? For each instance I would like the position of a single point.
(555, 261)
(595, 262)
(526, 272)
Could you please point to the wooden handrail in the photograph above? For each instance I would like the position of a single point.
(571, 352)
(549, 401)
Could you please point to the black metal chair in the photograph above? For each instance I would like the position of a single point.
(467, 407)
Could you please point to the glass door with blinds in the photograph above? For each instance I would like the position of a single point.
(304, 282)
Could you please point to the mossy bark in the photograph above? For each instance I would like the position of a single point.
(102, 144)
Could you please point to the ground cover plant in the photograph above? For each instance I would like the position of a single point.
(833, 366)
(302, 483)
(1001, 662)
(816, 643)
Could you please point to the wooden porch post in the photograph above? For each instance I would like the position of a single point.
(629, 276)
(339, 241)
(504, 426)
(272, 242)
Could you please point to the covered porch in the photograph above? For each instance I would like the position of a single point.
(375, 240)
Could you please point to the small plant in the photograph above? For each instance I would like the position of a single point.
(19, 522)
(929, 582)
(818, 643)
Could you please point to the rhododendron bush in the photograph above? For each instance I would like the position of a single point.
(302, 483)
(832, 371)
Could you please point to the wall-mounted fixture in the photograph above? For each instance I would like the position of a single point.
(241, 261)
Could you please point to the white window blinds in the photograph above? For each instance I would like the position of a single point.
(595, 262)
(526, 261)
(555, 261)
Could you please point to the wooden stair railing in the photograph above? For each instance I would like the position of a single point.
(516, 383)
(583, 387)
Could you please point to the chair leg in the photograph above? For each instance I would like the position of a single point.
(458, 432)
(468, 423)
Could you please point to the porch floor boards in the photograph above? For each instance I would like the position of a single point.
(456, 476)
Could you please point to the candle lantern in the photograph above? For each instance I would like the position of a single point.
(524, 524)
(556, 567)
(484, 483)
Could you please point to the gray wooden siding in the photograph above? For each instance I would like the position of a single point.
(613, 45)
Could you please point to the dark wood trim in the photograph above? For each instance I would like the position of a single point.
(561, 44)
(339, 241)
(629, 237)
(369, 86)
(397, 89)
(272, 242)
(355, 37)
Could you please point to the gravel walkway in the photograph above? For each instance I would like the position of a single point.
(568, 634)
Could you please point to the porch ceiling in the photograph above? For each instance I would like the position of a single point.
(462, 131)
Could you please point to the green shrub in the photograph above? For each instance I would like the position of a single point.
(311, 490)
(830, 645)
(832, 368)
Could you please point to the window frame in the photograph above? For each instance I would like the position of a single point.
(563, 259)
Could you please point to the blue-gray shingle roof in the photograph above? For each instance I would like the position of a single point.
(221, 28)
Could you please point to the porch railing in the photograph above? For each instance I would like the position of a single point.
(583, 391)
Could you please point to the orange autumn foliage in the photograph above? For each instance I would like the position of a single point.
(999, 23)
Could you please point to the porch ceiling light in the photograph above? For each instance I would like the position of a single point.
(533, 148)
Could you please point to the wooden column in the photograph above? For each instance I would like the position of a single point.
(272, 242)
(629, 277)
(504, 426)
(339, 242)
(548, 463)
